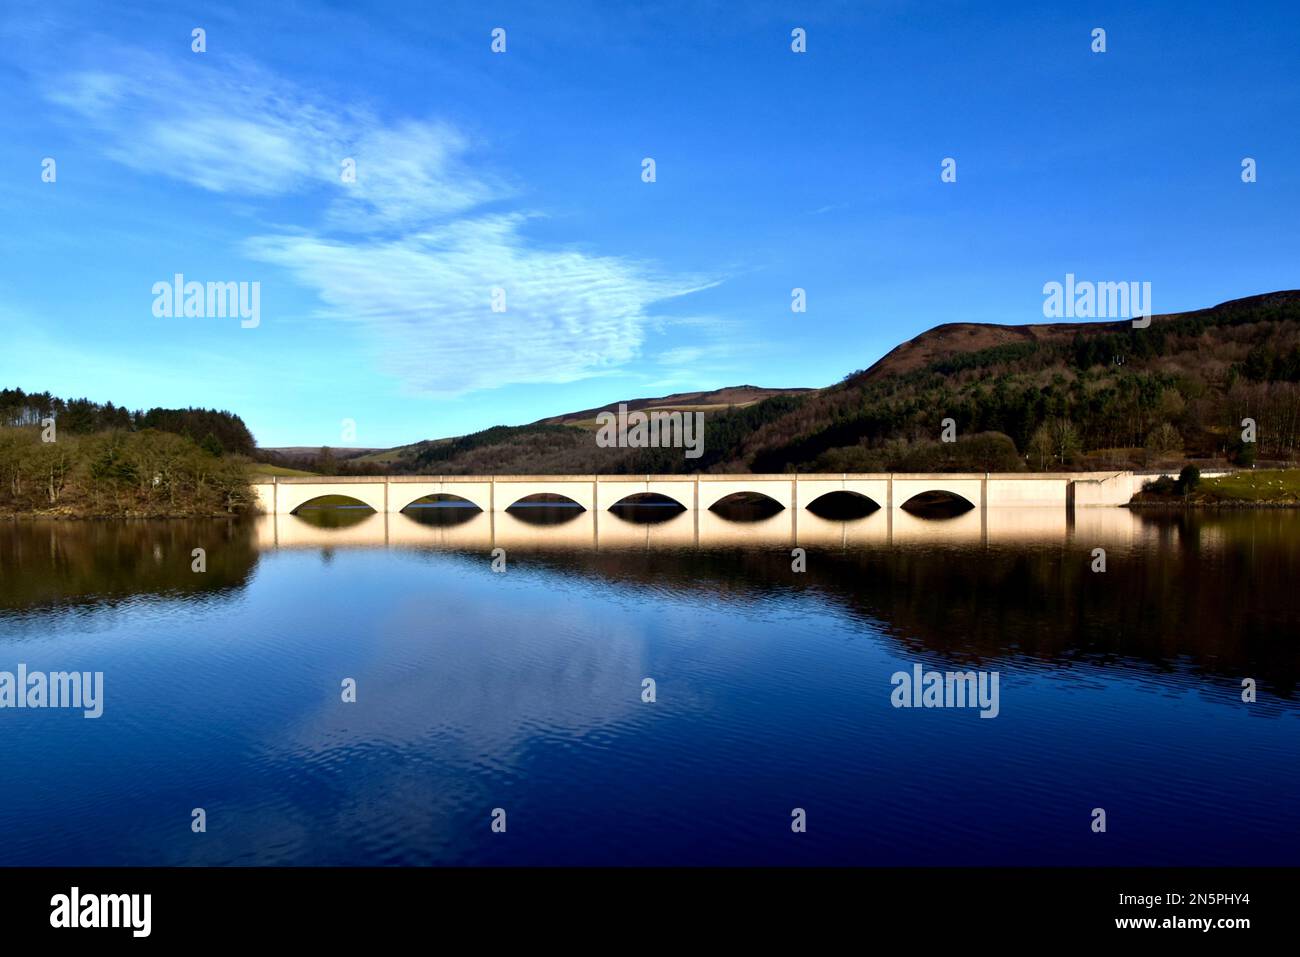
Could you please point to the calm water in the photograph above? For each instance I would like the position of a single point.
(522, 690)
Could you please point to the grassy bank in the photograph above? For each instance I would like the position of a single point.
(258, 470)
(1265, 488)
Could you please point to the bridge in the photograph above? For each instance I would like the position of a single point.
(496, 493)
(482, 531)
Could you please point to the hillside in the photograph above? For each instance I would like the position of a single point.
(556, 444)
(738, 396)
(955, 338)
(962, 338)
(1084, 394)
(1038, 396)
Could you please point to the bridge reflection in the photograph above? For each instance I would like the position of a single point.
(599, 530)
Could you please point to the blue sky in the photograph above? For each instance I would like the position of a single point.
(523, 170)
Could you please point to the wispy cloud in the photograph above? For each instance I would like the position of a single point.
(409, 174)
(407, 250)
(226, 131)
(427, 297)
(243, 131)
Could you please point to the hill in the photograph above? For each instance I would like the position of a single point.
(736, 396)
(556, 444)
(957, 338)
(1040, 396)
(1066, 394)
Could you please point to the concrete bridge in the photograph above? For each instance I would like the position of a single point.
(982, 490)
(483, 531)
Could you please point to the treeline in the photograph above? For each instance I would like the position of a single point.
(216, 431)
(118, 473)
(323, 461)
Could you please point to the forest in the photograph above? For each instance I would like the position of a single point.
(76, 457)
(118, 473)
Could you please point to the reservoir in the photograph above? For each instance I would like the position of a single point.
(499, 661)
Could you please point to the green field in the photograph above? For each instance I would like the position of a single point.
(1265, 487)
(262, 470)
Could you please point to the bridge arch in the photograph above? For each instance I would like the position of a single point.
(937, 502)
(712, 493)
(295, 498)
(843, 502)
(969, 489)
(333, 501)
(536, 499)
(450, 499)
(648, 498)
(747, 498)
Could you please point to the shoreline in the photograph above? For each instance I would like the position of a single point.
(1227, 505)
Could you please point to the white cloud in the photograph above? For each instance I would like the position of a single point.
(240, 130)
(427, 298)
(224, 130)
(409, 174)
(405, 250)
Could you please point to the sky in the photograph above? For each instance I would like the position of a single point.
(522, 171)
